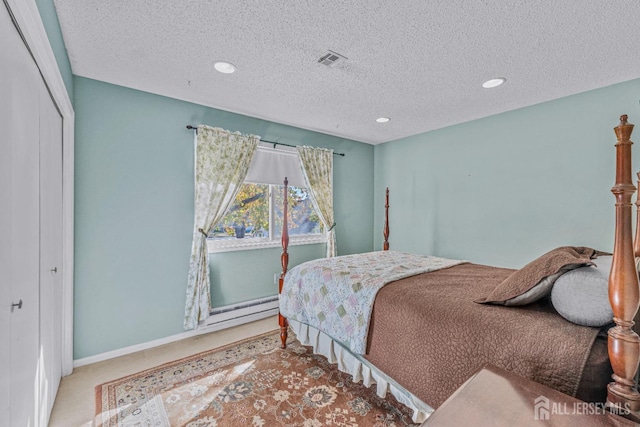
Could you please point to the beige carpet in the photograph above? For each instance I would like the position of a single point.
(250, 383)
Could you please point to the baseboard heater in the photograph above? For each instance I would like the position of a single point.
(244, 312)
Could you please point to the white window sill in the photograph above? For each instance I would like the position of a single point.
(230, 245)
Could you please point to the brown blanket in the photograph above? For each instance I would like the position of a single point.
(428, 334)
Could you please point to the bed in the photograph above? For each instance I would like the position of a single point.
(429, 323)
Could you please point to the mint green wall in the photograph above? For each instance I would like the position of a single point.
(134, 214)
(52, 27)
(505, 189)
(254, 269)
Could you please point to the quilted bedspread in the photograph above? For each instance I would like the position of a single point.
(336, 295)
(440, 337)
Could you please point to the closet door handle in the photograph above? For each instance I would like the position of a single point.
(54, 270)
(19, 305)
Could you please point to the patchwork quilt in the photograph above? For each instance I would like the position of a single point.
(336, 295)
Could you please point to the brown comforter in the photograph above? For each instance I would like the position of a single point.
(428, 334)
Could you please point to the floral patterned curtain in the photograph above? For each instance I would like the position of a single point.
(317, 167)
(222, 161)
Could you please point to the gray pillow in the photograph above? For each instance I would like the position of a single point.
(582, 295)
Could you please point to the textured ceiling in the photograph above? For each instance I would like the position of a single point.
(421, 63)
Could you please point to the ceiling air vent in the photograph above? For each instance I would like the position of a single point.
(331, 58)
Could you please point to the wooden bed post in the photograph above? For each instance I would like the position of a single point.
(636, 241)
(284, 260)
(385, 232)
(624, 291)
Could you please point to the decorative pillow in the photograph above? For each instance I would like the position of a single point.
(535, 280)
(582, 296)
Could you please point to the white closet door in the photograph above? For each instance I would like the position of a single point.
(50, 253)
(25, 243)
(24, 268)
(5, 214)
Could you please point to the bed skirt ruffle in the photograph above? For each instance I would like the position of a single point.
(359, 368)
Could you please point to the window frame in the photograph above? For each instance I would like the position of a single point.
(244, 244)
(231, 245)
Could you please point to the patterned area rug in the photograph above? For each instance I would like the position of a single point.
(250, 383)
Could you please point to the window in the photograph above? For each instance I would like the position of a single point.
(254, 220)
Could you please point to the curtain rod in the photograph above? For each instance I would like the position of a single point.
(268, 142)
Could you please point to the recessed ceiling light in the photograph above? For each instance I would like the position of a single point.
(383, 119)
(493, 82)
(224, 67)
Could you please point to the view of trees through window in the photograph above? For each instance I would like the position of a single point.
(257, 213)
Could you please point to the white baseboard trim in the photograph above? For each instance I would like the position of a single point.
(138, 347)
(211, 326)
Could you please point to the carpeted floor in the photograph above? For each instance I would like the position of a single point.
(250, 383)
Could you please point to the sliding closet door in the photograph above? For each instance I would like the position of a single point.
(25, 239)
(5, 214)
(31, 318)
(50, 253)
(23, 234)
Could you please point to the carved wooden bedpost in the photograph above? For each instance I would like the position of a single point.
(636, 241)
(624, 291)
(284, 260)
(385, 232)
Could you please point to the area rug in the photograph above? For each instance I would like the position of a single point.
(249, 383)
